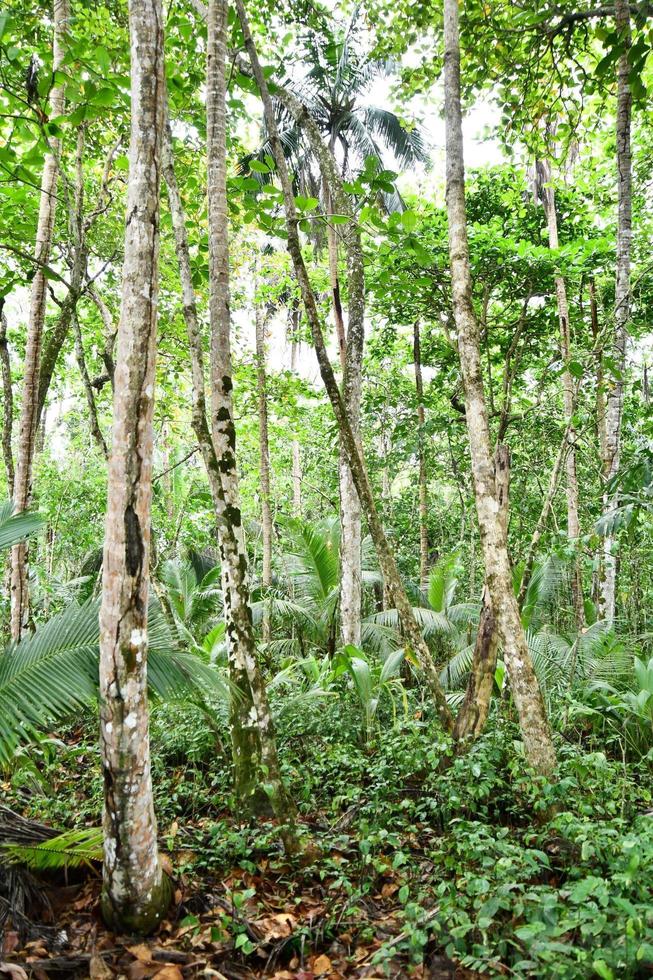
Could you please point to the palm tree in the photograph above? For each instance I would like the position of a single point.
(447, 624)
(335, 92)
(304, 603)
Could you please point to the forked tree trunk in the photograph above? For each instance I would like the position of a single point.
(421, 453)
(473, 713)
(136, 893)
(573, 520)
(252, 733)
(28, 425)
(498, 574)
(264, 467)
(615, 393)
(412, 632)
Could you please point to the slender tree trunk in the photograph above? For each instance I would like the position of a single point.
(600, 410)
(296, 451)
(615, 393)
(355, 458)
(351, 575)
(109, 333)
(94, 424)
(332, 246)
(421, 453)
(351, 352)
(8, 404)
(136, 893)
(526, 693)
(542, 519)
(573, 521)
(256, 768)
(264, 467)
(28, 424)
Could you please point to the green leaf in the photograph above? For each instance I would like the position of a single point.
(409, 220)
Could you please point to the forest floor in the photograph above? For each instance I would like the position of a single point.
(478, 870)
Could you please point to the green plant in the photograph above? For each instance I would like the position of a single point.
(371, 682)
(52, 673)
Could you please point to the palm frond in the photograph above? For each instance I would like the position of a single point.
(407, 145)
(312, 559)
(15, 527)
(71, 849)
(51, 674)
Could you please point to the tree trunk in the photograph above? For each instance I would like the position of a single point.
(614, 400)
(351, 353)
(135, 893)
(421, 452)
(573, 521)
(526, 693)
(264, 468)
(8, 403)
(296, 451)
(473, 714)
(252, 733)
(28, 424)
(94, 424)
(332, 246)
(387, 562)
(543, 518)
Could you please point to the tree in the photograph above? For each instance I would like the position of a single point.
(498, 574)
(573, 523)
(264, 464)
(346, 431)
(257, 779)
(615, 394)
(136, 892)
(29, 412)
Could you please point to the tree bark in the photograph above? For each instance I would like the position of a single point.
(264, 467)
(8, 404)
(136, 893)
(257, 777)
(573, 521)
(28, 423)
(421, 453)
(614, 399)
(412, 632)
(525, 689)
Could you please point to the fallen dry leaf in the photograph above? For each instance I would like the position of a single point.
(170, 972)
(98, 969)
(141, 952)
(321, 964)
(278, 926)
